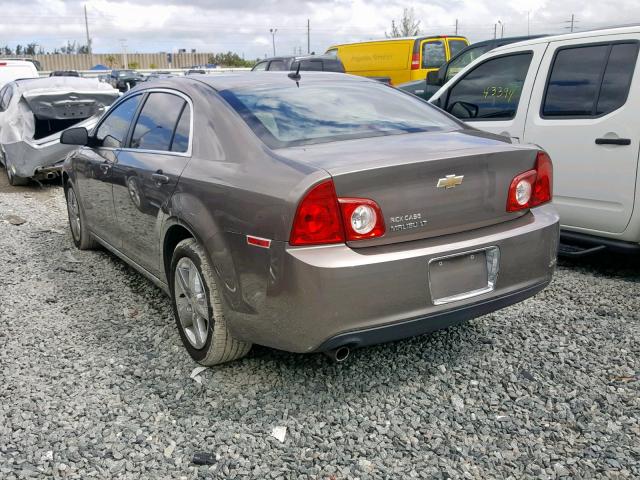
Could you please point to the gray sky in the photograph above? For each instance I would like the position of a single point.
(243, 26)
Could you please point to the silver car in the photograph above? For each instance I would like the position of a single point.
(33, 113)
(312, 212)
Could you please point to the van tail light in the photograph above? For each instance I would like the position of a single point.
(415, 61)
(533, 187)
(322, 218)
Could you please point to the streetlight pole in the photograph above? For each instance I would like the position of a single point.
(273, 39)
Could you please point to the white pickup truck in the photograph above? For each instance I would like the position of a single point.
(577, 96)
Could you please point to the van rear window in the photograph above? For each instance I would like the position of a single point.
(283, 116)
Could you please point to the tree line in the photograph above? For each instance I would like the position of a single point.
(35, 49)
(228, 59)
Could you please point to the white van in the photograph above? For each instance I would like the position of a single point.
(11, 70)
(577, 96)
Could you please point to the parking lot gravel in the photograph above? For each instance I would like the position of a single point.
(96, 384)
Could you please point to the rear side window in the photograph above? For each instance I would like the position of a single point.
(157, 122)
(456, 46)
(260, 66)
(589, 81)
(180, 141)
(277, 65)
(433, 55)
(491, 90)
(333, 66)
(112, 132)
(309, 65)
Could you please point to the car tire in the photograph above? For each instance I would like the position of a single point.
(198, 307)
(80, 234)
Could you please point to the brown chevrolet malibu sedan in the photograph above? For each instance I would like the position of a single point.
(316, 213)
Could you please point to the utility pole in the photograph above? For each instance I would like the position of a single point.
(86, 26)
(528, 23)
(572, 23)
(495, 30)
(501, 29)
(123, 42)
(273, 39)
(308, 36)
(456, 26)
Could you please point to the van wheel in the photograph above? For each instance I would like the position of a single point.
(198, 308)
(79, 232)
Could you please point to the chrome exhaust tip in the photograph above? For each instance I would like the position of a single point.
(339, 354)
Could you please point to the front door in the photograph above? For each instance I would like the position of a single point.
(584, 113)
(487, 96)
(147, 172)
(94, 170)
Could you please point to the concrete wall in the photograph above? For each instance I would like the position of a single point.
(144, 60)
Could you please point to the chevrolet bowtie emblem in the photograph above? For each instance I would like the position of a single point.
(450, 181)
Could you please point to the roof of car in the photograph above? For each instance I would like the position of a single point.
(237, 80)
(572, 36)
(301, 57)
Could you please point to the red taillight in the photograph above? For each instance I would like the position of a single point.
(3, 64)
(362, 218)
(533, 187)
(317, 220)
(323, 218)
(415, 61)
(543, 190)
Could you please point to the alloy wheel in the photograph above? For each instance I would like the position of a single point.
(74, 214)
(191, 302)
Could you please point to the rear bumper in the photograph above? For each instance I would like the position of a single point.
(429, 323)
(315, 298)
(27, 159)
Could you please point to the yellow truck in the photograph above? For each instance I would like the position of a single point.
(398, 59)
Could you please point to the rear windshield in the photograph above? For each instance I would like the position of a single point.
(283, 116)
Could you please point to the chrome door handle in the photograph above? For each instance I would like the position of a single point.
(613, 141)
(159, 178)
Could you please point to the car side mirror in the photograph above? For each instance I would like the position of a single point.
(433, 78)
(75, 136)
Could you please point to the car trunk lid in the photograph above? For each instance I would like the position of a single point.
(426, 184)
(68, 105)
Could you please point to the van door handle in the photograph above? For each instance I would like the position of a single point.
(159, 178)
(613, 141)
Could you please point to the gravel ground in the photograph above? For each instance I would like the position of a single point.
(96, 384)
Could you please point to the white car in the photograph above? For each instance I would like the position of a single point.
(13, 69)
(577, 96)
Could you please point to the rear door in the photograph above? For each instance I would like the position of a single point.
(584, 112)
(432, 55)
(147, 173)
(493, 95)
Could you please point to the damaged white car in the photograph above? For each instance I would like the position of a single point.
(33, 114)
